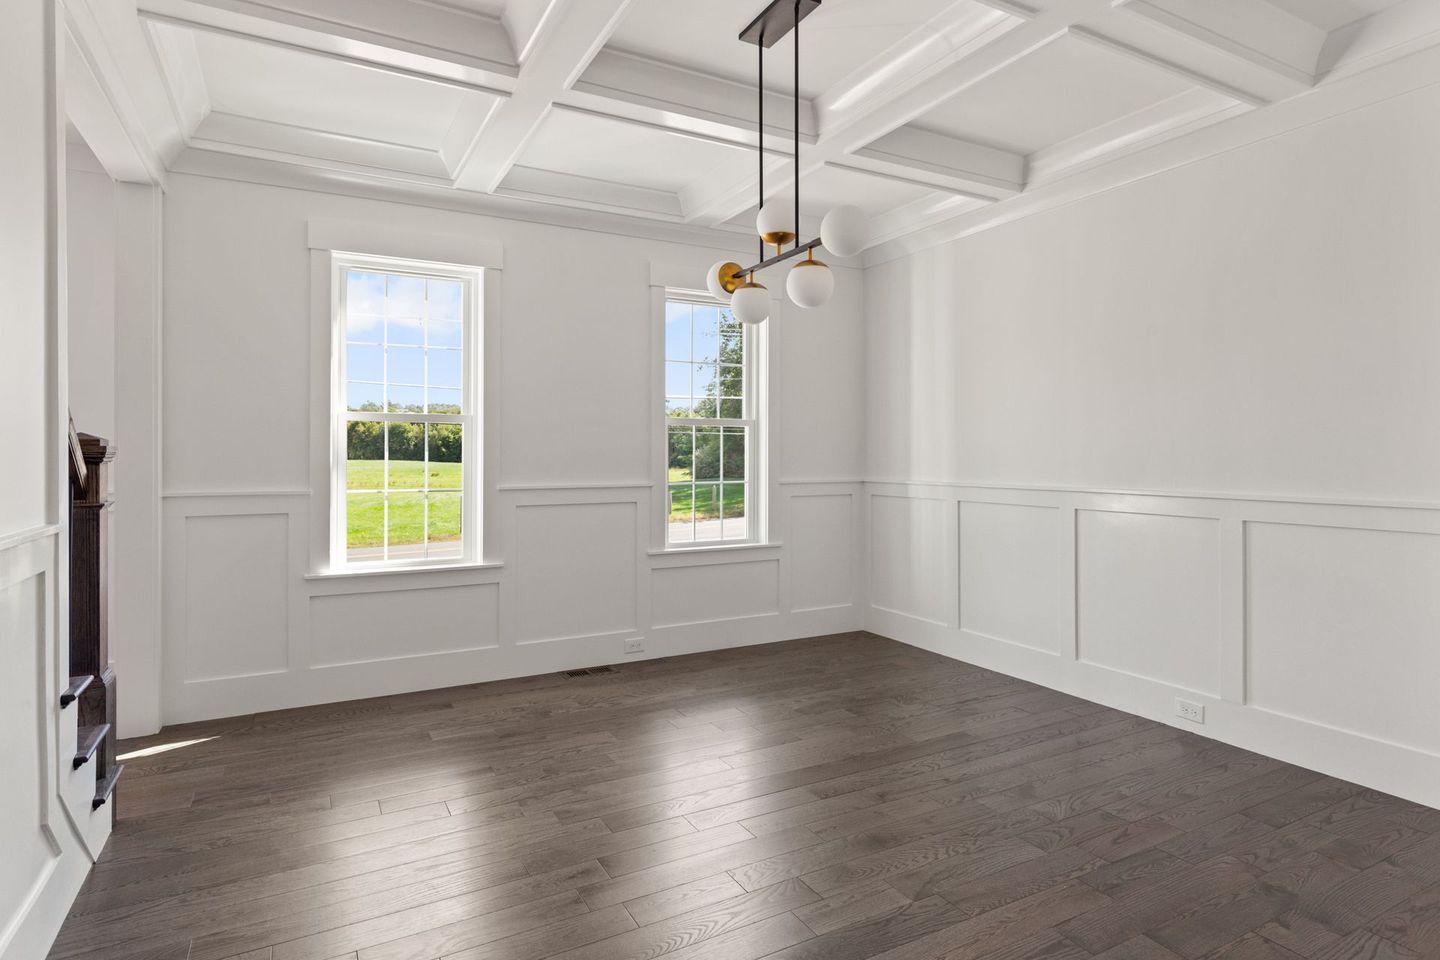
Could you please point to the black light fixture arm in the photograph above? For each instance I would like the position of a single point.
(793, 252)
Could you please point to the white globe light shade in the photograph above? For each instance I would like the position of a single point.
(844, 231)
(774, 218)
(712, 281)
(751, 303)
(810, 283)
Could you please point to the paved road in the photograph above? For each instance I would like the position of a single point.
(406, 551)
(704, 531)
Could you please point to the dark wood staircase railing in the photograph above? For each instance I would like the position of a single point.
(92, 679)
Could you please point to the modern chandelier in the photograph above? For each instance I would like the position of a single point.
(842, 231)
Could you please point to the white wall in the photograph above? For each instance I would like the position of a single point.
(569, 522)
(90, 242)
(45, 818)
(1250, 343)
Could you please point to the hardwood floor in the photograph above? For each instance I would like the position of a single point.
(839, 798)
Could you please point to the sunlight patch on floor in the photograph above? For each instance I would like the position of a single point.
(162, 748)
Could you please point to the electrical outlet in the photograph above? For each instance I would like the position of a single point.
(1189, 710)
(634, 645)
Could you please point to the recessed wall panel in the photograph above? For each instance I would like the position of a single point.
(574, 569)
(710, 592)
(909, 554)
(22, 643)
(822, 551)
(236, 595)
(1149, 596)
(1010, 573)
(361, 627)
(1344, 628)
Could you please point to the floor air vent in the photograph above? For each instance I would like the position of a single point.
(588, 671)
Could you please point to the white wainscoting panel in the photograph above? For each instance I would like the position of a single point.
(1010, 573)
(911, 545)
(1344, 629)
(574, 569)
(685, 595)
(822, 551)
(568, 582)
(236, 595)
(29, 852)
(1306, 629)
(1149, 596)
(49, 834)
(354, 628)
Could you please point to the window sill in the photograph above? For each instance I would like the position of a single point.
(333, 575)
(721, 553)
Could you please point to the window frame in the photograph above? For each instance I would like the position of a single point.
(753, 418)
(470, 419)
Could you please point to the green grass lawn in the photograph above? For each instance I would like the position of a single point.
(365, 512)
(701, 502)
(404, 475)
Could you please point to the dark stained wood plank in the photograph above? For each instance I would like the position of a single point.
(1364, 945)
(1414, 923)
(703, 924)
(740, 805)
(1252, 947)
(1138, 869)
(539, 942)
(852, 907)
(1139, 948)
(1362, 898)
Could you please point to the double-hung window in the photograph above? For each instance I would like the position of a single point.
(405, 460)
(711, 425)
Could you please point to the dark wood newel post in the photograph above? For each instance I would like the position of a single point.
(89, 592)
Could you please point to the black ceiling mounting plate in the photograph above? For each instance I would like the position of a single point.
(776, 20)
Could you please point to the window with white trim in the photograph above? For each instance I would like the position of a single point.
(711, 425)
(405, 453)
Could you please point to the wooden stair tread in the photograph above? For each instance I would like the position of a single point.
(77, 686)
(106, 787)
(90, 740)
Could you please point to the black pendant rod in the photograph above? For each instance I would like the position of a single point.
(794, 251)
(760, 130)
(797, 124)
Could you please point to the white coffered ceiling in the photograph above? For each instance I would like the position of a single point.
(917, 110)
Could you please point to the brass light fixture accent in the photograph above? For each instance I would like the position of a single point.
(778, 239)
(729, 276)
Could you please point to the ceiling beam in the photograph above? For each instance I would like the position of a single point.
(427, 41)
(117, 56)
(1259, 36)
(568, 36)
(945, 163)
(1170, 118)
(259, 137)
(184, 76)
(673, 98)
(548, 186)
(1194, 61)
(1404, 28)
